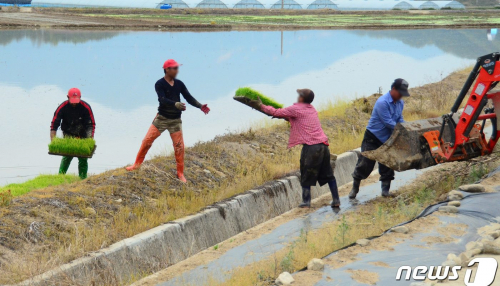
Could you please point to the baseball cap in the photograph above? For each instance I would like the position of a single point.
(170, 64)
(74, 95)
(307, 94)
(401, 85)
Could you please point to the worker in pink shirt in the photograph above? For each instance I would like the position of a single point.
(306, 130)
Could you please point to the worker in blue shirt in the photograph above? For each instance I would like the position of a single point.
(387, 112)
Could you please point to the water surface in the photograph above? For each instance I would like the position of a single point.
(116, 72)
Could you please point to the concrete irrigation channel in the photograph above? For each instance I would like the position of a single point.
(180, 239)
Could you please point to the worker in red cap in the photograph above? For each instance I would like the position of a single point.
(169, 90)
(76, 119)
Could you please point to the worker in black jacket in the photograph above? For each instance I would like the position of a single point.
(169, 90)
(76, 119)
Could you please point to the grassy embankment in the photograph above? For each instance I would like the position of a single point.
(370, 219)
(86, 216)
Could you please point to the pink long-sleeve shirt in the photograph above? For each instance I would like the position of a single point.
(305, 125)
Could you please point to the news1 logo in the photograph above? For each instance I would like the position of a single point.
(485, 272)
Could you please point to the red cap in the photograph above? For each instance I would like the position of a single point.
(170, 64)
(74, 95)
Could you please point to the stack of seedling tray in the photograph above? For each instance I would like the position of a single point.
(246, 95)
(73, 147)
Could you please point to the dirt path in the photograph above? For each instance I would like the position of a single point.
(10, 20)
(45, 20)
(241, 19)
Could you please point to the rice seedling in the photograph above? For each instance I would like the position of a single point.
(72, 146)
(253, 94)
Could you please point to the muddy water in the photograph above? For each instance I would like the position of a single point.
(266, 245)
(116, 72)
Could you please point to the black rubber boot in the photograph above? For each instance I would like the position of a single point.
(355, 189)
(335, 193)
(306, 198)
(385, 188)
(335, 203)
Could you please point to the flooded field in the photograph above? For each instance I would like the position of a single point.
(116, 72)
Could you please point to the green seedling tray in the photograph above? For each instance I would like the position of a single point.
(246, 101)
(72, 155)
(245, 95)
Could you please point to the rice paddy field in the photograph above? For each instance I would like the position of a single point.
(250, 19)
(330, 19)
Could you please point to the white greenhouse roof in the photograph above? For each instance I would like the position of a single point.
(450, 4)
(424, 5)
(371, 4)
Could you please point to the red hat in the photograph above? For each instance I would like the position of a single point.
(170, 64)
(74, 95)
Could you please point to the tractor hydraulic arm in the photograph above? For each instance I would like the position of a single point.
(465, 138)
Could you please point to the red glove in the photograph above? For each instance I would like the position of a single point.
(205, 109)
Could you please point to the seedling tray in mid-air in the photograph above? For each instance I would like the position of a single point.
(246, 96)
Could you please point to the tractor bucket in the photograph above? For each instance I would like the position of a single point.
(407, 148)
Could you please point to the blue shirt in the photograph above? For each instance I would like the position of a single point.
(385, 115)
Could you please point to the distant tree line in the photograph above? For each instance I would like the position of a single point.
(488, 3)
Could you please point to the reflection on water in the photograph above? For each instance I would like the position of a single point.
(53, 37)
(117, 71)
(462, 43)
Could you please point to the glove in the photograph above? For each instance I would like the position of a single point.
(255, 103)
(205, 109)
(181, 106)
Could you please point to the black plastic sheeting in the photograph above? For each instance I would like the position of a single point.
(476, 211)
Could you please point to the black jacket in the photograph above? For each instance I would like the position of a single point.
(168, 95)
(77, 121)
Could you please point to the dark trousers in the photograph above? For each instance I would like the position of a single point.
(364, 167)
(315, 166)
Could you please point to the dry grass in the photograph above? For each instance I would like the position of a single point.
(94, 213)
(379, 214)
